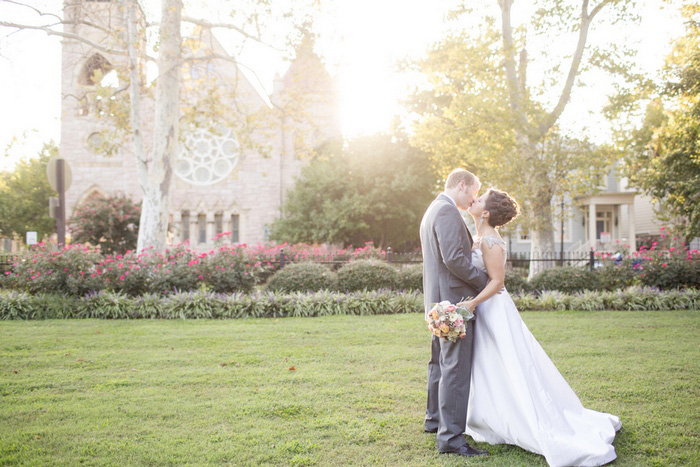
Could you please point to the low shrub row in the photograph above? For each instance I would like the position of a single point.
(629, 299)
(199, 305)
(357, 275)
(208, 305)
(77, 271)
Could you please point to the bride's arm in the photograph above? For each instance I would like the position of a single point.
(495, 268)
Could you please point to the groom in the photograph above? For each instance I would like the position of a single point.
(448, 274)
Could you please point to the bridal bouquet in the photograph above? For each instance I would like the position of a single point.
(447, 320)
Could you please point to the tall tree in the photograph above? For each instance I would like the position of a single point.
(481, 108)
(374, 188)
(124, 105)
(663, 154)
(24, 196)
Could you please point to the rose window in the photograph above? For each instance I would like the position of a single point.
(205, 157)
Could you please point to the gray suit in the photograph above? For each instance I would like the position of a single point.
(448, 274)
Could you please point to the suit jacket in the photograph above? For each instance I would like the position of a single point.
(448, 272)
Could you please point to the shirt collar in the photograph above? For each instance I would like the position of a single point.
(450, 198)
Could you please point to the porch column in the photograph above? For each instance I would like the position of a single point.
(633, 233)
(591, 225)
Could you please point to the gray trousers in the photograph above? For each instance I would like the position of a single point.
(449, 374)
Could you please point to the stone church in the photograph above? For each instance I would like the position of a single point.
(226, 181)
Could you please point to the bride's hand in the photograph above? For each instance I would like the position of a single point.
(469, 305)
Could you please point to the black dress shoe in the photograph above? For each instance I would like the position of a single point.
(467, 451)
(434, 430)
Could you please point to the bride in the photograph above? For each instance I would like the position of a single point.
(517, 395)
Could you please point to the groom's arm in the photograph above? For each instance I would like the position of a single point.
(452, 237)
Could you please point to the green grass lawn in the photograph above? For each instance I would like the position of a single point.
(337, 390)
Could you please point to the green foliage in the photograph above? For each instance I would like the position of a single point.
(301, 277)
(77, 270)
(70, 271)
(207, 305)
(367, 275)
(671, 271)
(411, 277)
(372, 189)
(663, 155)
(629, 299)
(229, 270)
(617, 276)
(480, 110)
(24, 197)
(516, 282)
(110, 223)
(566, 279)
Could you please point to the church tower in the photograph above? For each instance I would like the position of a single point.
(232, 172)
(85, 137)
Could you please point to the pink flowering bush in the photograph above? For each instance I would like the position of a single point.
(667, 264)
(77, 270)
(110, 223)
(71, 270)
(230, 269)
(677, 269)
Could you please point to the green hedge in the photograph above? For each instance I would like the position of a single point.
(367, 274)
(566, 279)
(411, 277)
(516, 283)
(302, 277)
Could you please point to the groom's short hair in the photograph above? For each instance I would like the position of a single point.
(457, 175)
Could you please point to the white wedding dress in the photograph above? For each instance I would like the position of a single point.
(519, 397)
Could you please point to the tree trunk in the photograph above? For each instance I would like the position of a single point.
(156, 172)
(540, 207)
(542, 236)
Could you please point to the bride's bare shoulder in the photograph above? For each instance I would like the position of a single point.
(490, 241)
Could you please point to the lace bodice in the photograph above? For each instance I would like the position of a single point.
(490, 240)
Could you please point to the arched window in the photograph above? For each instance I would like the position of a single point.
(95, 63)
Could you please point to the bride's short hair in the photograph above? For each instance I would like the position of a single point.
(501, 206)
(457, 175)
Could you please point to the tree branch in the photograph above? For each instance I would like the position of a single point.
(586, 20)
(67, 35)
(509, 53)
(205, 58)
(208, 25)
(36, 10)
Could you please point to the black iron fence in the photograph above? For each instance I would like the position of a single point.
(6, 261)
(521, 261)
(515, 261)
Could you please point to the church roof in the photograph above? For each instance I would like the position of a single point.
(307, 73)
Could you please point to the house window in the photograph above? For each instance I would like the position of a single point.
(523, 234)
(185, 226)
(235, 228)
(202, 228)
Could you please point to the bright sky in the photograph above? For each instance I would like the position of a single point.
(361, 40)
